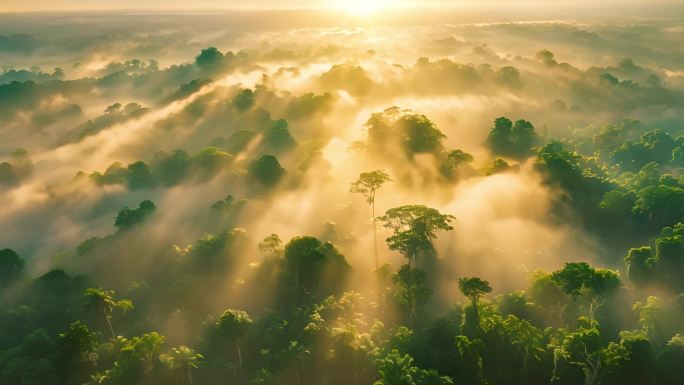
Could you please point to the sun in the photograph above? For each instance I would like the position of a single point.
(365, 8)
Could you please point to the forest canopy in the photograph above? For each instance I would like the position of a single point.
(367, 193)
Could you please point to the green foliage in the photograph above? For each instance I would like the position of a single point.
(368, 184)
(229, 204)
(244, 100)
(669, 370)
(510, 139)
(473, 288)
(215, 252)
(414, 226)
(655, 146)
(11, 268)
(172, 168)
(415, 133)
(211, 60)
(351, 78)
(272, 245)
(412, 294)
(8, 175)
(166, 169)
(661, 205)
(583, 180)
(135, 359)
(266, 171)
(619, 184)
(314, 268)
(456, 158)
(182, 358)
(278, 137)
(661, 267)
(140, 176)
(395, 369)
(234, 324)
(127, 218)
(576, 279)
(632, 361)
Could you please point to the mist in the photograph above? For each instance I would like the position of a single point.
(309, 194)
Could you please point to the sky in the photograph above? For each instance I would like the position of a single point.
(71, 5)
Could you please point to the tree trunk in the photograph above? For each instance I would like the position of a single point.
(296, 288)
(190, 376)
(109, 322)
(555, 369)
(239, 352)
(375, 237)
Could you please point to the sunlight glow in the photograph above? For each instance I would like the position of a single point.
(366, 8)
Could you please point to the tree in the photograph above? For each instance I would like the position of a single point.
(297, 352)
(641, 265)
(413, 294)
(103, 300)
(128, 218)
(125, 305)
(133, 358)
(396, 369)
(660, 205)
(303, 253)
(669, 362)
(415, 226)
(314, 268)
(235, 325)
(419, 134)
(211, 60)
(474, 288)
(11, 269)
(266, 170)
(631, 362)
(512, 139)
(415, 133)
(182, 358)
(367, 185)
(651, 314)
(272, 245)
(577, 279)
(146, 348)
(456, 158)
(582, 348)
(469, 363)
(140, 176)
(278, 137)
(8, 175)
(244, 100)
(170, 169)
(573, 278)
(76, 352)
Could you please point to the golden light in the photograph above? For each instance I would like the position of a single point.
(366, 8)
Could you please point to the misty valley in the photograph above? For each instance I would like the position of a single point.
(342, 196)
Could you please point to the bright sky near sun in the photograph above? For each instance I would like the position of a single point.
(360, 7)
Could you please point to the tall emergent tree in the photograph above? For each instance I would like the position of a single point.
(103, 300)
(473, 288)
(182, 358)
(415, 226)
(235, 324)
(368, 185)
(11, 269)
